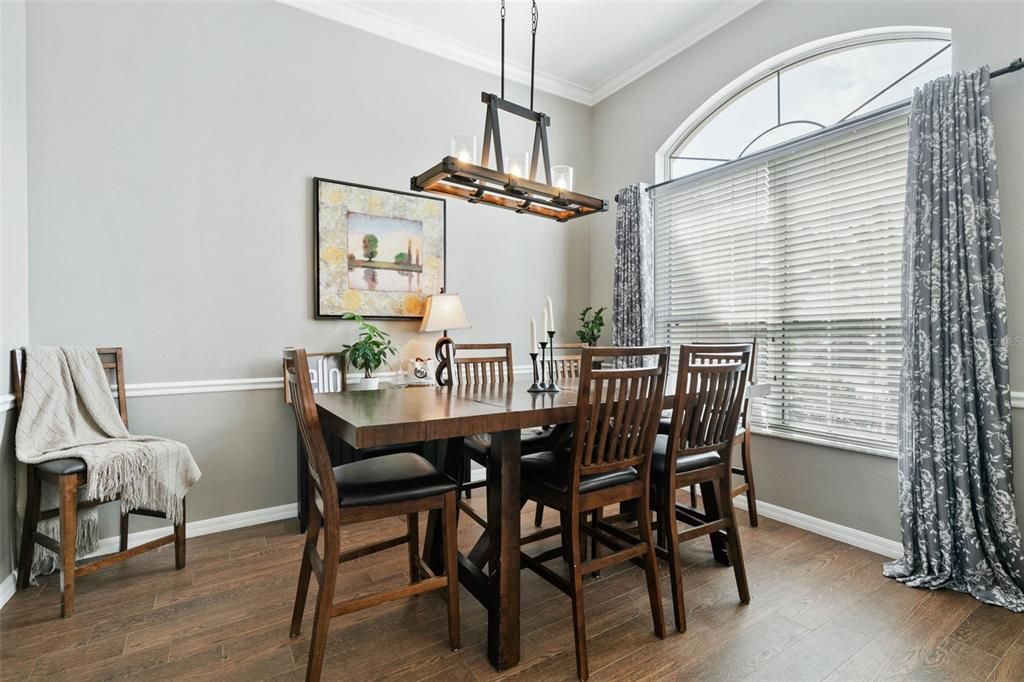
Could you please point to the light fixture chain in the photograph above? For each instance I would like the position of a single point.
(533, 47)
(503, 49)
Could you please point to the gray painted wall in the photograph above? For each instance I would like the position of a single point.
(171, 151)
(848, 488)
(13, 245)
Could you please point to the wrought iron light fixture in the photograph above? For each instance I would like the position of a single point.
(460, 176)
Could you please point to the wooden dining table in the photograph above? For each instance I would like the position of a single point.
(439, 417)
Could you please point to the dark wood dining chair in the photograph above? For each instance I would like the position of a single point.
(68, 475)
(480, 364)
(607, 462)
(339, 451)
(566, 359)
(399, 484)
(742, 439)
(697, 450)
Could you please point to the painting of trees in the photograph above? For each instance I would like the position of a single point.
(370, 243)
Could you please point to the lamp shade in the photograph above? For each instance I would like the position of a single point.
(444, 311)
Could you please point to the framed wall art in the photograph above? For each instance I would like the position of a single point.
(379, 252)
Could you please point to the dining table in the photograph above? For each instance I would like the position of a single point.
(439, 417)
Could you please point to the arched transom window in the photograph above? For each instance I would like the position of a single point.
(780, 218)
(820, 88)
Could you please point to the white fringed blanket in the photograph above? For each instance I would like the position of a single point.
(68, 411)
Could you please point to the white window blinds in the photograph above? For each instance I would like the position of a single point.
(800, 247)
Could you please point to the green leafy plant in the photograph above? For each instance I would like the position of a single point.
(590, 325)
(372, 350)
(370, 243)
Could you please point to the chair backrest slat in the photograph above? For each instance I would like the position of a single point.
(112, 360)
(617, 412)
(567, 359)
(477, 370)
(710, 394)
(318, 459)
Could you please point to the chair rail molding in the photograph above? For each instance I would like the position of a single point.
(8, 587)
(147, 390)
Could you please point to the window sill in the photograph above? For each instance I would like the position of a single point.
(887, 453)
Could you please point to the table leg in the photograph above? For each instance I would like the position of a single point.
(437, 453)
(719, 547)
(503, 510)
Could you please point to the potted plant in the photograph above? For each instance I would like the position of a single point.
(590, 326)
(372, 350)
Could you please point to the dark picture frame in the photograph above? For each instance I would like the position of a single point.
(343, 209)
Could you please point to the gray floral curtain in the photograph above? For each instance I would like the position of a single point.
(955, 479)
(633, 296)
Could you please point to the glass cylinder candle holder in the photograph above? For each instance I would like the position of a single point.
(561, 177)
(464, 147)
(517, 162)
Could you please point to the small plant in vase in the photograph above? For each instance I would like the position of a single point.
(590, 326)
(370, 352)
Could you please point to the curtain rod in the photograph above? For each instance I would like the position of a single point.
(1016, 65)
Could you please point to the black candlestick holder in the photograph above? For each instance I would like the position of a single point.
(535, 387)
(551, 387)
(543, 353)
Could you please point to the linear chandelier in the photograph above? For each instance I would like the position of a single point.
(505, 186)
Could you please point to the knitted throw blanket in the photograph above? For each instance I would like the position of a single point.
(68, 411)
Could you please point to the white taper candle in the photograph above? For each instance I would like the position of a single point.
(533, 334)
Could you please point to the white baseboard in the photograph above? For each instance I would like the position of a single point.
(194, 529)
(8, 587)
(844, 534)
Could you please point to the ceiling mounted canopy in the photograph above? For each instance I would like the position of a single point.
(508, 185)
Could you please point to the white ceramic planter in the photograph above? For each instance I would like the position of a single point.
(368, 384)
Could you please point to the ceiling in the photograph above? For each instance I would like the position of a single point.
(586, 49)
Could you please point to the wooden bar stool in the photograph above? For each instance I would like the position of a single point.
(399, 484)
(697, 450)
(567, 359)
(339, 451)
(68, 475)
(608, 462)
(741, 439)
(481, 370)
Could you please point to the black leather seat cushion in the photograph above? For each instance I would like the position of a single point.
(551, 470)
(389, 478)
(684, 463)
(61, 467)
(480, 444)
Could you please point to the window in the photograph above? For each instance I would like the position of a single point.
(786, 224)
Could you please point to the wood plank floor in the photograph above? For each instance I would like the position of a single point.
(820, 610)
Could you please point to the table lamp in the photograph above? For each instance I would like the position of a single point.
(444, 312)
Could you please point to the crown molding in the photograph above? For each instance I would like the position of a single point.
(385, 26)
(372, 21)
(642, 67)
